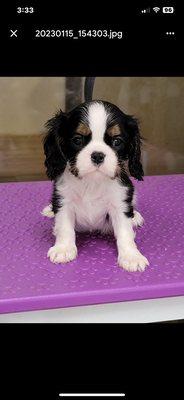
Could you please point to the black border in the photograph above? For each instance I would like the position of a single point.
(42, 360)
(146, 52)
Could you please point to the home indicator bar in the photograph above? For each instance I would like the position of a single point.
(92, 394)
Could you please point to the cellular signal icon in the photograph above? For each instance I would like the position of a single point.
(145, 11)
(156, 9)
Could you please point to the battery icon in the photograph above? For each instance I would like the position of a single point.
(168, 10)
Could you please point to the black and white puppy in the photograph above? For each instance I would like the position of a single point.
(87, 153)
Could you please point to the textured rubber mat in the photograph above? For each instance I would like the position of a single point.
(29, 281)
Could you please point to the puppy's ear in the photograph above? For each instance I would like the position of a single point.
(134, 148)
(54, 145)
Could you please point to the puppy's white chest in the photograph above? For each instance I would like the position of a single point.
(91, 207)
(90, 199)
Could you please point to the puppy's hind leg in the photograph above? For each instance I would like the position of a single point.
(137, 219)
(47, 211)
(129, 257)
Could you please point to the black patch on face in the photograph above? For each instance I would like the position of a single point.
(118, 145)
(75, 145)
(75, 141)
(127, 144)
(116, 142)
(58, 146)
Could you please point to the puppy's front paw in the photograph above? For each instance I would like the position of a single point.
(132, 261)
(62, 253)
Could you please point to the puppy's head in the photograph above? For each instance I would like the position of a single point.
(94, 138)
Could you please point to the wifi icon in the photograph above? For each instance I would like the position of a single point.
(156, 9)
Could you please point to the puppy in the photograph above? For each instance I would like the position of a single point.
(88, 154)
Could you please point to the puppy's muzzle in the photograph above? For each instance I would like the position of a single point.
(97, 157)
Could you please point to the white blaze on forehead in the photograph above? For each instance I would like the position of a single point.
(97, 116)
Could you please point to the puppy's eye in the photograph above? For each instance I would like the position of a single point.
(116, 142)
(77, 140)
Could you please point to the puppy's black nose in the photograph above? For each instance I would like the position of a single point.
(97, 157)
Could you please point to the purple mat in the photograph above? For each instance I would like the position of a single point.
(29, 281)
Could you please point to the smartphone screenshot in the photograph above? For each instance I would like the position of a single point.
(91, 199)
